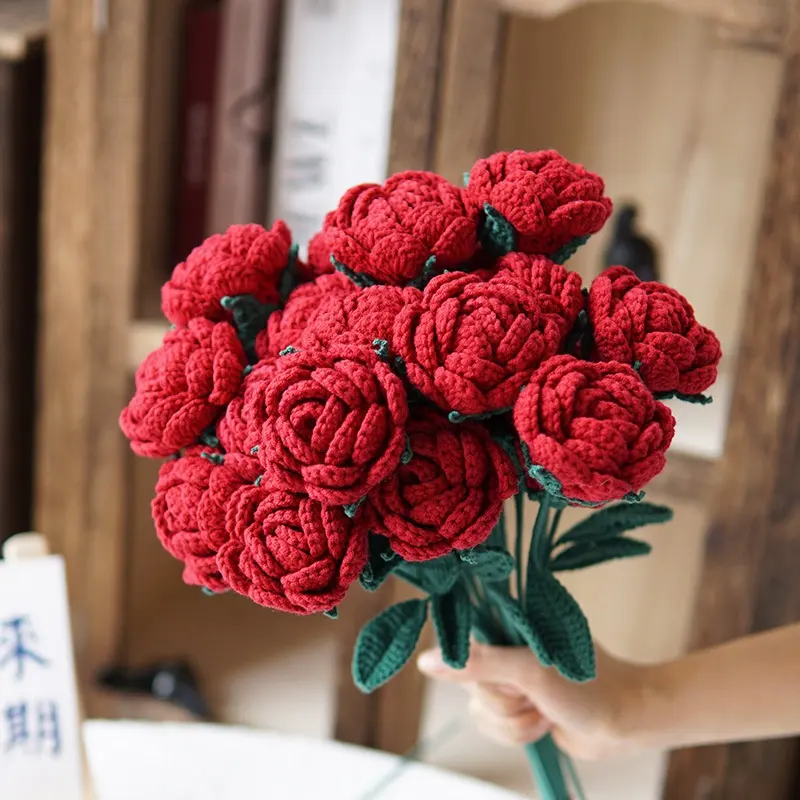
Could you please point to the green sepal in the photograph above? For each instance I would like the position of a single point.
(696, 399)
(333, 613)
(490, 564)
(452, 620)
(564, 254)
(435, 577)
(249, 318)
(615, 520)
(360, 280)
(589, 553)
(495, 233)
(381, 562)
(387, 642)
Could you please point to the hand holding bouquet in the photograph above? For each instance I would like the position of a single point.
(369, 412)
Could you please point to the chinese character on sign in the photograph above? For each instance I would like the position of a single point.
(16, 645)
(31, 729)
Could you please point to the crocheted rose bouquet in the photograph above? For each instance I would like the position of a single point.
(369, 412)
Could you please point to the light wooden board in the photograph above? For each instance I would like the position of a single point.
(92, 208)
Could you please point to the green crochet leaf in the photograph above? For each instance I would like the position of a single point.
(515, 621)
(434, 577)
(490, 564)
(495, 233)
(452, 621)
(560, 628)
(587, 554)
(387, 642)
(381, 562)
(615, 520)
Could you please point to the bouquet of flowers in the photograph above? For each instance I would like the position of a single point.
(369, 411)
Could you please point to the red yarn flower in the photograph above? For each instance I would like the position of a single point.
(549, 201)
(285, 327)
(182, 387)
(192, 494)
(239, 430)
(335, 423)
(245, 260)
(290, 552)
(360, 317)
(390, 232)
(319, 256)
(655, 325)
(450, 493)
(471, 344)
(593, 430)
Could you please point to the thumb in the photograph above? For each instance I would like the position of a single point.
(512, 666)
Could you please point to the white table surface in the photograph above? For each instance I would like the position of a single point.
(176, 761)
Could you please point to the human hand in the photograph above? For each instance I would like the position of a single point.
(516, 700)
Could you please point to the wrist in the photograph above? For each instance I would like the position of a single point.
(643, 718)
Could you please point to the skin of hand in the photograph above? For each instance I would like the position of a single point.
(515, 700)
(744, 690)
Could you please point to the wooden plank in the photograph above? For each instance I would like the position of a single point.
(21, 102)
(416, 84)
(759, 22)
(749, 582)
(471, 67)
(92, 225)
(161, 153)
(686, 478)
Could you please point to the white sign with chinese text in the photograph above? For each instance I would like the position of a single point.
(40, 745)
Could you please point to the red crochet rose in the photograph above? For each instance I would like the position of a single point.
(335, 423)
(192, 494)
(593, 428)
(471, 344)
(389, 232)
(655, 325)
(360, 317)
(548, 200)
(245, 260)
(182, 387)
(285, 327)
(290, 552)
(319, 255)
(239, 430)
(558, 291)
(450, 493)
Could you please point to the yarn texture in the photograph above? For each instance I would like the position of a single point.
(245, 260)
(450, 493)
(549, 201)
(183, 387)
(335, 423)
(655, 325)
(290, 552)
(388, 233)
(595, 427)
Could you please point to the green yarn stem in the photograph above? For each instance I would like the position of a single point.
(519, 506)
(546, 760)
